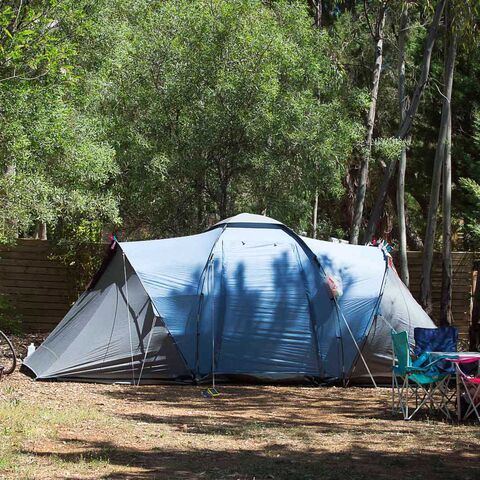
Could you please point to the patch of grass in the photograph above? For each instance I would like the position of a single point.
(83, 462)
(22, 422)
(5, 459)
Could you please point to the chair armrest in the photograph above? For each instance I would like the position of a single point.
(423, 358)
(416, 370)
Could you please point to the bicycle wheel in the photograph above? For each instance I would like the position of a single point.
(8, 359)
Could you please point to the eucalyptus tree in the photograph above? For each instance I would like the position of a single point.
(402, 164)
(377, 33)
(316, 8)
(442, 161)
(461, 22)
(406, 125)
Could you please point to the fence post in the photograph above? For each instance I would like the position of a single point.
(475, 322)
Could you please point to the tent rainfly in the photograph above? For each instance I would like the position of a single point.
(248, 299)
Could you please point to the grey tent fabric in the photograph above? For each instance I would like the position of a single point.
(95, 342)
(398, 311)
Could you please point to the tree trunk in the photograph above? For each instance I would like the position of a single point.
(422, 82)
(475, 326)
(407, 123)
(315, 214)
(402, 225)
(402, 165)
(41, 231)
(201, 203)
(414, 241)
(316, 9)
(223, 203)
(224, 184)
(446, 303)
(349, 199)
(367, 150)
(426, 282)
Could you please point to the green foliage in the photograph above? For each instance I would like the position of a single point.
(10, 321)
(225, 106)
(161, 116)
(54, 149)
(470, 191)
(82, 253)
(30, 39)
(61, 165)
(469, 195)
(388, 148)
(476, 127)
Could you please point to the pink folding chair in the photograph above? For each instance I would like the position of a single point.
(471, 385)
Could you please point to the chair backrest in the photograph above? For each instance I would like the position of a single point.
(401, 351)
(442, 339)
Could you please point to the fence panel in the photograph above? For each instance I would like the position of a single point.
(37, 286)
(462, 286)
(41, 288)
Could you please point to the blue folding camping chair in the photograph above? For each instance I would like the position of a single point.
(410, 380)
(442, 339)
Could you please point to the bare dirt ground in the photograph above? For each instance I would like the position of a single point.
(85, 431)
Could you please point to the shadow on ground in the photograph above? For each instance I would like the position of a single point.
(266, 433)
(278, 462)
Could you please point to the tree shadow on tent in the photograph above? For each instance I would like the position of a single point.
(257, 303)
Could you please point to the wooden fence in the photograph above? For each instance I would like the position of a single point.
(42, 290)
(462, 282)
(38, 288)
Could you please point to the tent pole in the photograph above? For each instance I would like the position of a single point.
(340, 313)
(374, 313)
(128, 316)
(146, 350)
(340, 338)
(212, 270)
(355, 342)
(203, 278)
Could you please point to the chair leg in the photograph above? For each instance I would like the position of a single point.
(428, 399)
(472, 407)
(442, 388)
(397, 396)
(393, 393)
(405, 389)
(397, 400)
(418, 404)
(475, 405)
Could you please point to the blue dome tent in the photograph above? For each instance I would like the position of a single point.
(247, 299)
